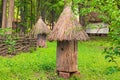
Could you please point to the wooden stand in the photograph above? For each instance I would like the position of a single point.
(67, 58)
(68, 74)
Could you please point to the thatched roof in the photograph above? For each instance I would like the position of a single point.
(67, 27)
(40, 27)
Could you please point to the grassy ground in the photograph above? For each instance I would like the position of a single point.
(40, 64)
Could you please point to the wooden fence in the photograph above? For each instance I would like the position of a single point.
(24, 43)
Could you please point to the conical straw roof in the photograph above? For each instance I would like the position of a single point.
(40, 27)
(67, 27)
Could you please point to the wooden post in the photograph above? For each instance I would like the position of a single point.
(67, 58)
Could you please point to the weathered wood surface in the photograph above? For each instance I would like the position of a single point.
(64, 74)
(23, 44)
(67, 56)
(41, 40)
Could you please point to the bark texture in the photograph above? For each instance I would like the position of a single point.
(67, 56)
(41, 40)
(10, 13)
(4, 14)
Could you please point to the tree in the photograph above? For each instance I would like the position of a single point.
(109, 12)
(10, 14)
(28, 11)
(50, 10)
(81, 18)
(4, 16)
(1, 7)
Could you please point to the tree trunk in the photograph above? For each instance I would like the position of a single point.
(38, 9)
(52, 19)
(23, 14)
(43, 11)
(4, 14)
(1, 11)
(31, 21)
(10, 14)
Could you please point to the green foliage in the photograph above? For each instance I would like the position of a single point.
(28, 11)
(10, 41)
(112, 69)
(41, 64)
(108, 9)
(3, 32)
(109, 12)
(53, 9)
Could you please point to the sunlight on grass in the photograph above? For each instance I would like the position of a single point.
(41, 64)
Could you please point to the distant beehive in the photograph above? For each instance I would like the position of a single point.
(41, 30)
(93, 17)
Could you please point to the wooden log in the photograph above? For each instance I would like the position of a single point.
(3, 52)
(18, 44)
(2, 45)
(3, 49)
(67, 56)
(20, 40)
(17, 47)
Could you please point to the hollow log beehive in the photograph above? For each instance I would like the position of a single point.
(67, 56)
(41, 30)
(67, 31)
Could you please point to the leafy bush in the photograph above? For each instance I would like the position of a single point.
(109, 12)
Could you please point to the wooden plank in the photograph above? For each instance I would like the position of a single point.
(2, 45)
(64, 75)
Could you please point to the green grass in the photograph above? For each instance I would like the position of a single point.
(40, 65)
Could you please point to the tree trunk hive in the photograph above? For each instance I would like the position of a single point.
(67, 31)
(41, 30)
(67, 56)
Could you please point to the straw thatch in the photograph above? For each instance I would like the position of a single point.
(67, 27)
(40, 27)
